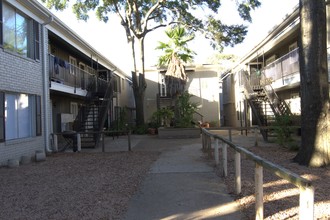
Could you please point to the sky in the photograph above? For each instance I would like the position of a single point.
(110, 39)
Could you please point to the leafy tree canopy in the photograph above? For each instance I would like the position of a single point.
(142, 16)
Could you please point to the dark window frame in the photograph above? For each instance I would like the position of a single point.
(36, 40)
(1, 24)
(33, 34)
(38, 117)
(2, 116)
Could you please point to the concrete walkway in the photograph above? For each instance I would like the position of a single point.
(179, 185)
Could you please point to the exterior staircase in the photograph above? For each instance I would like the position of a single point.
(163, 102)
(93, 114)
(264, 103)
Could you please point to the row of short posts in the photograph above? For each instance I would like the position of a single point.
(306, 199)
(76, 142)
(128, 132)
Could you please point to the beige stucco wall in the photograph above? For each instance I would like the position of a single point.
(150, 99)
(203, 84)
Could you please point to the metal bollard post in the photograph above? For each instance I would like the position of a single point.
(55, 140)
(216, 152)
(78, 142)
(103, 147)
(256, 137)
(128, 137)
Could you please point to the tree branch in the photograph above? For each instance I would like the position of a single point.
(144, 24)
(123, 23)
(161, 25)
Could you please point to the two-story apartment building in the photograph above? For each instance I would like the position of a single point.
(265, 82)
(51, 81)
(202, 83)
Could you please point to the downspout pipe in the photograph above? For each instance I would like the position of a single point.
(45, 79)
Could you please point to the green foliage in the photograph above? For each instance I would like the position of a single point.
(122, 121)
(141, 129)
(139, 17)
(135, 15)
(176, 47)
(186, 110)
(213, 124)
(162, 117)
(283, 129)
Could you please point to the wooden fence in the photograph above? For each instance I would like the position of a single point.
(306, 198)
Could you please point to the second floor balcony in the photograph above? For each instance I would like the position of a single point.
(280, 73)
(70, 76)
(283, 72)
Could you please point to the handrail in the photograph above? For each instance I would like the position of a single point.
(306, 208)
(202, 116)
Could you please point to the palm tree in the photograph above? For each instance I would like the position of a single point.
(176, 54)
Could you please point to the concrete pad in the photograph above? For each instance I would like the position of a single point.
(180, 185)
(182, 196)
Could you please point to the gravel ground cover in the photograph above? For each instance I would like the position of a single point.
(281, 198)
(73, 186)
(100, 185)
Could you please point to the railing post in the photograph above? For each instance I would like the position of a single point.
(103, 147)
(238, 172)
(224, 159)
(203, 141)
(259, 192)
(216, 151)
(256, 137)
(129, 140)
(229, 132)
(306, 203)
(78, 142)
(55, 140)
(209, 146)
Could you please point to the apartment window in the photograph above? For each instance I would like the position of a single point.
(19, 34)
(2, 117)
(1, 24)
(74, 109)
(73, 64)
(20, 116)
(163, 91)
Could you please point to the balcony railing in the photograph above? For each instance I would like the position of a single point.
(65, 73)
(283, 71)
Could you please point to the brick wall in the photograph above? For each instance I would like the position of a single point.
(20, 75)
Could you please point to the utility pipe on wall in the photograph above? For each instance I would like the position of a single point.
(45, 79)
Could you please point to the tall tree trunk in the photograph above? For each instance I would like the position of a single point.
(139, 87)
(314, 86)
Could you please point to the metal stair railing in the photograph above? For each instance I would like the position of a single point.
(250, 95)
(82, 116)
(278, 106)
(83, 120)
(105, 105)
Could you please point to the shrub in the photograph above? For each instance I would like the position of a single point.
(162, 117)
(283, 129)
(186, 109)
